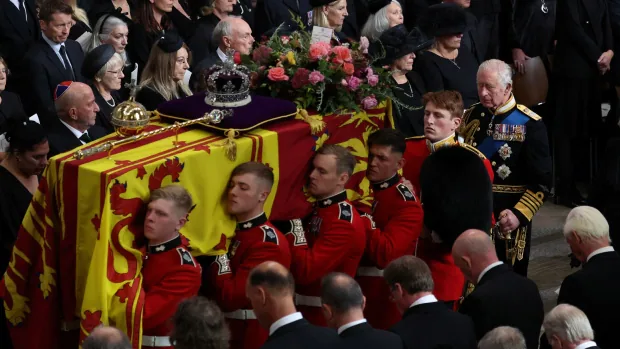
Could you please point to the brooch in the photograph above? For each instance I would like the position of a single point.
(503, 171)
(505, 151)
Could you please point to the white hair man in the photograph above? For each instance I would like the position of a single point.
(514, 139)
(567, 327)
(231, 33)
(503, 337)
(595, 288)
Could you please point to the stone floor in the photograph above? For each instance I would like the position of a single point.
(549, 264)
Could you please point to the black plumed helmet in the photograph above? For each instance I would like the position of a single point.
(444, 19)
(456, 193)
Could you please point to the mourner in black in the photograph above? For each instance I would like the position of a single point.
(595, 288)
(605, 193)
(334, 15)
(343, 304)
(426, 323)
(583, 53)
(501, 296)
(488, 12)
(471, 40)
(10, 104)
(566, 326)
(202, 44)
(514, 139)
(273, 281)
(53, 59)
(19, 29)
(277, 12)
(446, 65)
(400, 52)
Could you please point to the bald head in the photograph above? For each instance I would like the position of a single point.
(77, 106)
(341, 292)
(233, 33)
(274, 278)
(106, 337)
(473, 251)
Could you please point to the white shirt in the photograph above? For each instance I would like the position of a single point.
(491, 266)
(284, 321)
(585, 345)
(349, 325)
(423, 300)
(16, 3)
(599, 251)
(221, 54)
(56, 48)
(77, 133)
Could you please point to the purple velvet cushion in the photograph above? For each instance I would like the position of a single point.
(259, 111)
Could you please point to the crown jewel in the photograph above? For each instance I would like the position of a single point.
(228, 84)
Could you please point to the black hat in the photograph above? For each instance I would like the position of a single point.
(96, 59)
(319, 3)
(396, 42)
(375, 5)
(170, 42)
(444, 19)
(456, 193)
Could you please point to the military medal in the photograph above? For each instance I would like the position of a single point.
(505, 151)
(508, 132)
(503, 171)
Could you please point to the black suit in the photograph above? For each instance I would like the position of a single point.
(61, 139)
(301, 334)
(46, 72)
(504, 298)
(364, 336)
(277, 12)
(10, 108)
(434, 325)
(594, 289)
(202, 44)
(16, 37)
(206, 63)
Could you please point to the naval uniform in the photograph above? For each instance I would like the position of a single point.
(170, 275)
(448, 278)
(334, 242)
(398, 216)
(514, 139)
(256, 241)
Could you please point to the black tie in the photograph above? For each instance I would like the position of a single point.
(22, 9)
(85, 137)
(65, 59)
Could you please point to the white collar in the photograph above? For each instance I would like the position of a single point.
(77, 133)
(349, 325)
(510, 103)
(284, 321)
(584, 345)
(599, 251)
(489, 267)
(221, 54)
(423, 300)
(54, 45)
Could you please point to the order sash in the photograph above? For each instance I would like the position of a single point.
(489, 146)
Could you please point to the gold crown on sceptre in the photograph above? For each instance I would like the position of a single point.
(130, 117)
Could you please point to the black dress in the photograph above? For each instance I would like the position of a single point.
(10, 107)
(150, 98)
(409, 121)
(440, 74)
(104, 115)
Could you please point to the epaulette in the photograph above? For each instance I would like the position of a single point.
(346, 212)
(473, 150)
(186, 257)
(269, 235)
(527, 111)
(405, 192)
(468, 112)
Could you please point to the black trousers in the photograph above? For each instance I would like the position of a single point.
(520, 266)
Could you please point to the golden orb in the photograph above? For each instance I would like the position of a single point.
(129, 118)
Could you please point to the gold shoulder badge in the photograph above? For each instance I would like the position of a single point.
(473, 150)
(468, 111)
(525, 110)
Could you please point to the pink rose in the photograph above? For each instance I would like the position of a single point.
(373, 80)
(277, 74)
(348, 68)
(315, 77)
(369, 71)
(341, 55)
(318, 50)
(301, 78)
(364, 44)
(261, 54)
(369, 102)
(353, 83)
(285, 39)
(344, 83)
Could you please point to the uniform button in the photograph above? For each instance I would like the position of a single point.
(475, 144)
(481, 114)
(494, 163)
(587, 22)
(478, 129)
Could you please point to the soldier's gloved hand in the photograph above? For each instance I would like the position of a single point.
(287, 226)
(574, 262)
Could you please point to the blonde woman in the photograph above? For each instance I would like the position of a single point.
(384, 14)
(162, 79)
(330, 14)
(81, 30)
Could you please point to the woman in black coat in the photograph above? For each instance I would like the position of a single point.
(10, 104)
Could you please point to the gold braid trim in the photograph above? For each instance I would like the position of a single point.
(530, 203)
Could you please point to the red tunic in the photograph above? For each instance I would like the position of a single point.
(449, 280)
(399, 218)
(334, 243)
(170, 275)
(256, 241)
